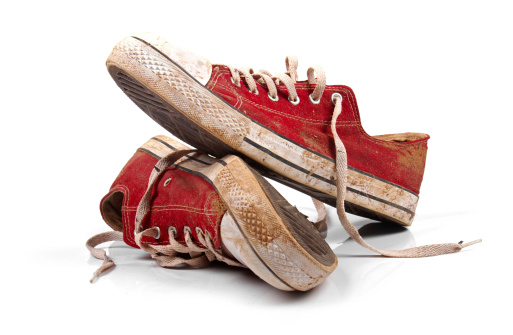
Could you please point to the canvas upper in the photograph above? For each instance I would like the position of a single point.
(179, 199)
(397, 158)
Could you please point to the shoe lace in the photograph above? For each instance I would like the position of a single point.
(289, 79)
(166, 255)
(341, 182)
(316, 76)
(169, 255)
(100, 253)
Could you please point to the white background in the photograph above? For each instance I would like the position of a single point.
(441, 67)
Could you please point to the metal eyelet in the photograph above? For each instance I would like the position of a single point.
(233, 81)
(171, 229)
(335, 95)
(187, 229)
(255, 93)
(158, 235)
(168, 180)
(294, 102)
(199, 231)
(315, 102)
(273, 99)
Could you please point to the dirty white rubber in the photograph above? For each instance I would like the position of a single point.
(149, 66)
(287, 254)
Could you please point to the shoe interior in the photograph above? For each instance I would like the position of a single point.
(403, 137)
(111, 209)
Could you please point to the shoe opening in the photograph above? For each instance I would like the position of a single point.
(403, 137)
(111, 210)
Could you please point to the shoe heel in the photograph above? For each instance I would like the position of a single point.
(266, 233)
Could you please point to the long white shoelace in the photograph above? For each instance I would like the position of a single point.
(317, 77)
(169, 255)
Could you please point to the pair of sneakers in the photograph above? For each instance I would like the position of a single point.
(184, 206)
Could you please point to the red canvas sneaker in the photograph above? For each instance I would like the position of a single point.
(280, 125)
(202, 209)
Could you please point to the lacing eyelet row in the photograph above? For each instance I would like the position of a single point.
(315, 74)
(173, 231)
(294, 102)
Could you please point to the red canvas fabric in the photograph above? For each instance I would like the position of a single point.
(308, 124)
(186, 200)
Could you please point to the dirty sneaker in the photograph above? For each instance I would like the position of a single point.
(279, 124)
(185, 207)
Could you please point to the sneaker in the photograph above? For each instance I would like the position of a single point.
(280, 126)
(185, 207)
